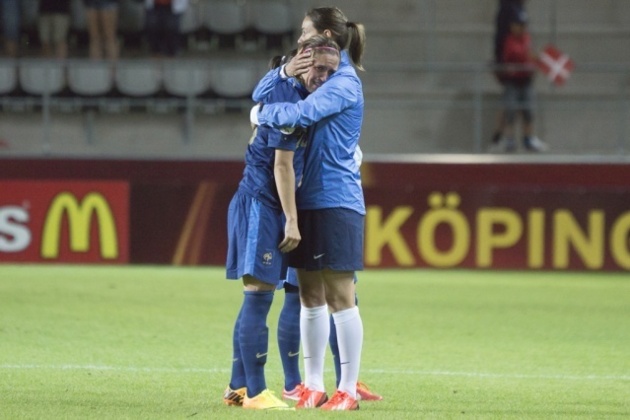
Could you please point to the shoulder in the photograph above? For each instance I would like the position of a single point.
(283, 92)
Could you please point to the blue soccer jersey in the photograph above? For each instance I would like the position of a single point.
(255, 218)
(258, 176)
(335, 113)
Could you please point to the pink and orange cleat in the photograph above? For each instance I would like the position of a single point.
(311, 399)
(364, 393)
(341, 401)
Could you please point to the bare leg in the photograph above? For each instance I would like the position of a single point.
(109, 21)
(92, 17)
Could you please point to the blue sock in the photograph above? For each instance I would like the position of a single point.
(334, 347)
(289, 339)
(237, 380)
(254, 339)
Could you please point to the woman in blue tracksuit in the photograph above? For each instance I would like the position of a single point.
(262, 228)
(331, 208)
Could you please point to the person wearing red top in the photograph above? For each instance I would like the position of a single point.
(518, 76)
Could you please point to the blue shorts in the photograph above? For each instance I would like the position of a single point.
(254, 233)
(293, 280)
(331, 238)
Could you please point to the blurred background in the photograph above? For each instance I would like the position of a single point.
(429, 84)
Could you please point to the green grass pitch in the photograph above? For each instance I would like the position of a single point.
(155, 342)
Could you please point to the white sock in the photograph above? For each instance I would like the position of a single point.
(350, 340)
(314, 332)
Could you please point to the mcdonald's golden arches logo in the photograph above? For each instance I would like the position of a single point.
(80, 218)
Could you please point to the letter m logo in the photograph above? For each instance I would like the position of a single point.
(80, 217)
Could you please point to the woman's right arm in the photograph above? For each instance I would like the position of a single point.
(297, 66)
(266, 85)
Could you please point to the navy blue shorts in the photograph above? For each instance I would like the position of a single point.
(331, 238)
(254, 233)
(292, 279)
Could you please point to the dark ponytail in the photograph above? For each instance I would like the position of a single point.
(348, 35)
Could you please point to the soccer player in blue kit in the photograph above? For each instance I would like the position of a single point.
(331, 209)
(289, 345)
(262, 228)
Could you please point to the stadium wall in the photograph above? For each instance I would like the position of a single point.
(423, 213)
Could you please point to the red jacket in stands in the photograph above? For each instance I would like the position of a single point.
(517, 50)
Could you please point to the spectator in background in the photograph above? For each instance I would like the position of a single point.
(163, 26)
(102, 22)
(53, 25)
(518, 59)
(10, 10)
(508, 9)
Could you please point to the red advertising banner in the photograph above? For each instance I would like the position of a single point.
(64, 221)
(515, 228)
(551, 216)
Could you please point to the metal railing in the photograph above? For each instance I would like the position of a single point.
(589, 115)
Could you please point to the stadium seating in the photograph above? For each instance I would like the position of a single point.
(427, 67)
(42, 77)
(274, 22)
(189, 78)
(191, 23)
(138, 78)
(90, 78)
(235, 78)
(8, 77)
(226, 19)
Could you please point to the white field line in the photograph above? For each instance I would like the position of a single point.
(371, 371)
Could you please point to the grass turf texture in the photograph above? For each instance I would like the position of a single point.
(155, 342)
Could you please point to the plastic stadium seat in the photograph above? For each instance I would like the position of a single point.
(273, 19)
(8, 76)
(192, 19)
(138, 77)
(236, 78)
(226, 17)
(90, 78)
(272, 16)
(39, 77)
(184, 78)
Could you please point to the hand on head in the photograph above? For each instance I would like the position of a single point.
(299, 64)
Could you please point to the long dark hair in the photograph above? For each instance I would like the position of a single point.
(348, 35)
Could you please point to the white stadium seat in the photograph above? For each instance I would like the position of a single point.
(138, 77)
(235, 78)
(39, 77)
(90, 78)
(184, 78)
(8, 76)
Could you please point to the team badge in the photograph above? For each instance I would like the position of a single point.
(267, 258)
